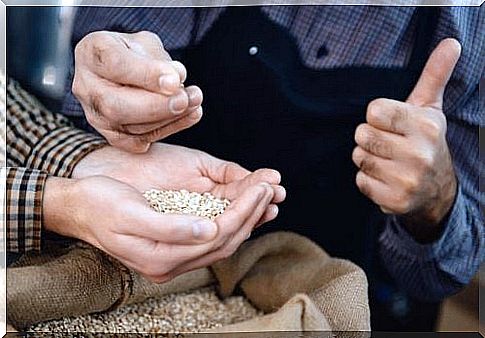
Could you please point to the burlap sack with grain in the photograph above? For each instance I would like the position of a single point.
(287, 276)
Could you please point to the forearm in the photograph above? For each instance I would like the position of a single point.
(39, 143)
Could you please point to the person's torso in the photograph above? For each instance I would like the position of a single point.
(285, 87)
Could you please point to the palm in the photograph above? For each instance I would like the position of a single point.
(168, 167)
(172, 167)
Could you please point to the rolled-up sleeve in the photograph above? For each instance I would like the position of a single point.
(39, 143)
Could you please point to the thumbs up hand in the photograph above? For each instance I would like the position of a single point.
(404, 161)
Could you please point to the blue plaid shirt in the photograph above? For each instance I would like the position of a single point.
(366, 36)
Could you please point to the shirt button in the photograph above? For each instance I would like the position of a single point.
(253, 50)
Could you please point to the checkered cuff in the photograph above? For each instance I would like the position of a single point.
(24, 193)
(42, 140)
(59, 151)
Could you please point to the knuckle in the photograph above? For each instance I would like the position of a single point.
(92, 118)
(109, 107)
(377, 103)
(432, 127)
(100, 105)
(92, 41)
(157, 106)
(399, 116)
(361, 134)
(82, 45)
(77, 88)
(147, 77)
(403, 207)
(425, 160)
(110, 59)
(403, 204)
(97, 103)
(362, 183)
(376, 145)
(410, 184)
(375, 107)
(357, 156)
(368, 165)
(148, 35)
(99, 44)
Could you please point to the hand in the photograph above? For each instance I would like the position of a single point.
(404, 160)
(131, 90)
(172, 167)
(115, 218)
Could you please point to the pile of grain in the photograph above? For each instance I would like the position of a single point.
(185, 202)
(193, 311)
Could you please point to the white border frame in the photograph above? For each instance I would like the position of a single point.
(194, 3)
(3, 159)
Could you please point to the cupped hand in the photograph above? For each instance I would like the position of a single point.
(114, 217)
(131, 90)
(173, 167)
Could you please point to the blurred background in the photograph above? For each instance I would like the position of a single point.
(38, 53)
(38, 56)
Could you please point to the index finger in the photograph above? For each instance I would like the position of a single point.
(109, 57)
(390, 115)
(242, 215)
(235, 188)
(245, 210)
(251, 213)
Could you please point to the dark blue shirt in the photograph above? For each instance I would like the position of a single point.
(338, 36)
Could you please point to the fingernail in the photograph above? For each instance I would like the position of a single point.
(274, 210)
(195, 96)
(180, 68)
(178, 103)
(204, 229)
(169, 83)
(249, 235)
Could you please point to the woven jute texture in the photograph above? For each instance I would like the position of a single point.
(291, 279)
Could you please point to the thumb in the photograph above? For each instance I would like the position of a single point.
(174, 228)
(436, 74)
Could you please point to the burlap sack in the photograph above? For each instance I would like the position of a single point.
(285, 275)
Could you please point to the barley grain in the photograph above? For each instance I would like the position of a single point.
(188, 312)
(185, 202)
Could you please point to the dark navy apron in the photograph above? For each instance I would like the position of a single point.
(264, 108)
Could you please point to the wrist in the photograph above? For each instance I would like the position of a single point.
(426, 224)
(88, 165)
(58, 208)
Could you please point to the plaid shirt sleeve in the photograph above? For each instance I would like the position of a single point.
(39, 143)
(24, 189)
